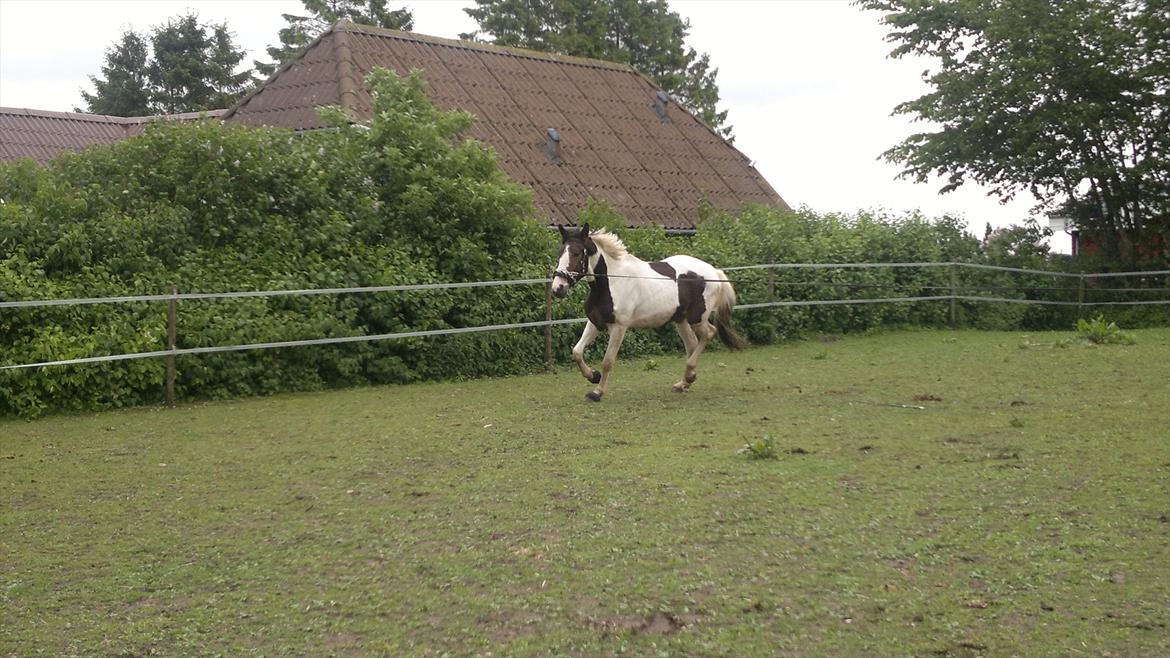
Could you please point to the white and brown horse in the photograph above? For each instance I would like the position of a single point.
(626, 292)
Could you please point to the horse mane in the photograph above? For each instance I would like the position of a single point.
(610, 244)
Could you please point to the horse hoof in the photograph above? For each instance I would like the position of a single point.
(679, 389)
(593, 395)
(596, 377)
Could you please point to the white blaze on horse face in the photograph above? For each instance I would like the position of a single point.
(560, 285)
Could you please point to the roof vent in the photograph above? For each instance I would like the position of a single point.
(661, 100)
(552, 146)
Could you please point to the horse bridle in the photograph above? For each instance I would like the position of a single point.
(571, 277)
(574, 277)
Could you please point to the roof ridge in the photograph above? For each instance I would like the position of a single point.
(347, 82)
(347, 86)
(350, 26)
(229, 112)
(105, 118)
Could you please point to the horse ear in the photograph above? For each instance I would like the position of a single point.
(564, 234)
(585, 230)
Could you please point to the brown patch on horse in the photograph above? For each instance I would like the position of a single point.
(691, 304)
(599, 303)
(663, 268)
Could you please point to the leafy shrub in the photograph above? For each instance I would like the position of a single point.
(1101, 332)
(213, 209)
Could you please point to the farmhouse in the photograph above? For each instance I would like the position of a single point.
(572, 129)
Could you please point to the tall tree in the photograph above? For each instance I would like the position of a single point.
(125, 90)
(642, 33)
(182, 66)
(1069, 101)
(193, 70)
(301, 30)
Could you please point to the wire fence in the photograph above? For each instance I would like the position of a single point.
(954, 293)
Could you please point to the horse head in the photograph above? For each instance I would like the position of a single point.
(573, 261)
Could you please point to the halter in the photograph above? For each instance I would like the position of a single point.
(574, 277)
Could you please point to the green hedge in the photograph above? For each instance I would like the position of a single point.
(400, 200)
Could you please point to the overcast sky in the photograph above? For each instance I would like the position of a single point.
(807, 83)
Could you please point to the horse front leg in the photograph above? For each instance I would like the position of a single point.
(617, 333)
(587, 338)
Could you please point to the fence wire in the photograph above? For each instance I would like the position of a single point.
(954, 296)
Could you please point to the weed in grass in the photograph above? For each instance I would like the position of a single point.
(1099, 332)
(763, 448)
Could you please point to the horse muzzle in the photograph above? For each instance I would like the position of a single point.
(562, 281)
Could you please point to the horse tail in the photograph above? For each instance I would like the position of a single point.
(724, 303)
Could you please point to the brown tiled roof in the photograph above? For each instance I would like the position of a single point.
(42, 135)
(614, 145)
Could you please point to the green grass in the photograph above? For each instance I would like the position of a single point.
(935, 494)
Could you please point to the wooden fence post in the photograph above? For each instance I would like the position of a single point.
(1080, 296)
(953, 316)
(548, 314)
(172, 321)
(772, 298)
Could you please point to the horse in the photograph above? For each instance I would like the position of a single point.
(626, 291)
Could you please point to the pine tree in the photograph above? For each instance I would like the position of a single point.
(301, 30)
(125, 90)
(182, 66)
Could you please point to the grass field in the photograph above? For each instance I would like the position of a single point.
(934, 494)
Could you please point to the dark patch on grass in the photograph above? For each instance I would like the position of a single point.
(660, 623)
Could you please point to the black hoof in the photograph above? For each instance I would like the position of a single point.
(596, 377)
(593, 395)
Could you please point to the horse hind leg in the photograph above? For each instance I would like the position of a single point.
(690, 343)
(696, 338)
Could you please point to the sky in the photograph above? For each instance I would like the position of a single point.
(808, 85)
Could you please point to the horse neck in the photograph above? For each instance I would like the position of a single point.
(628, 264)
